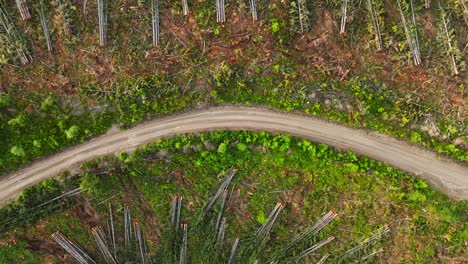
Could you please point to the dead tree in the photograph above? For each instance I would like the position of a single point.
(427, 4)
(100, 238)
(73, 249)
(324, 258)
(415, 34)
(299, 15)
(140, 238)
(220, 14)
(313, 248)
(411, 33)
(85, 4)
(344, 11)
(299, 10)
(102, 23)
(234, 248)
(45, 27)
(253, 8)
(11, 40)
(127, 226)
(371, 255)
(155, 22)
(464, 10)
(23, 9)
(183, 247)
(112, 231)
(185, 9)
(364, 245)
(176, 207)
(63, 8)
(375, 24)
(448, 40)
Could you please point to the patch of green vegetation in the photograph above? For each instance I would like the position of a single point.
(310, 179)
(42, 124)
(201, 64)
(276, 167)
(358, 102)
(16, 252)
(37, 202)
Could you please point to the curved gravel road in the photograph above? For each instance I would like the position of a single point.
(443, 174)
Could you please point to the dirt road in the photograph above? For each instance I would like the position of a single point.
(447, 176)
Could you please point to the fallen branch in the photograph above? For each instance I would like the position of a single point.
(102, 14)
(220, 14)
(344, 11)
(45, 27)
(253, 9)
(23, 9)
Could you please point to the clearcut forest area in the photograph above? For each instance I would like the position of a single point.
(70, 70)
(226, 185)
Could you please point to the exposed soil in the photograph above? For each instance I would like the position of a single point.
(44, 246)
(321, 49)
(184, 184)
(87, 214)
(65, 70)
(296, 201)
